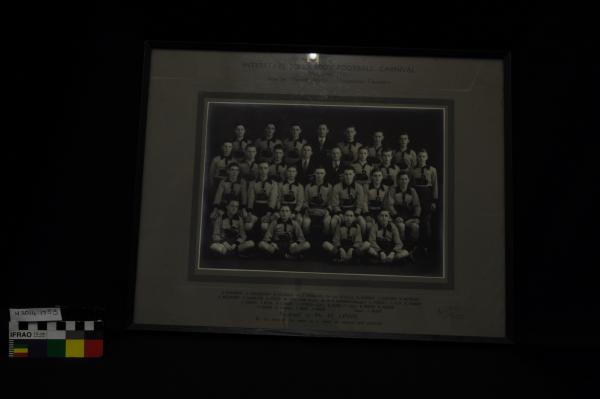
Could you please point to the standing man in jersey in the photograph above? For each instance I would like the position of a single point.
(350, 146)
(249, 167)
(425, 182)
(266, 145)
(317, 199)
(376, 149)
(240, 142)
(405, 158)
(376, 195)
(362, 168)
(218, 165)
(291, 194)
(278, 167)
(263, 195)
(389, 170)
(348, 194)
(293, 144)
(405, 208)
(229, 189)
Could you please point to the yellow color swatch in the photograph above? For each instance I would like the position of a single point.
(21, 350)
(74, 348)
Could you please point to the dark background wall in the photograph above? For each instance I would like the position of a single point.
(74, 112)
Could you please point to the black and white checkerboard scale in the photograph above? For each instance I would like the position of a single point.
(87, 325)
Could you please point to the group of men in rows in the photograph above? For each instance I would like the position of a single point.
(357, 200)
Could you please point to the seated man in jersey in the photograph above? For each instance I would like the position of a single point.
(362, 168)
(229, 235)
(376, 149)
(218, 166)
(404, 206)
(306, 165)
(350, 146)
(262, 198)
(284, 236)
(376, 194)
(348, 194)
(293, 144)
(385, 244)
(335, 166)
(347, 240)
(389, 170)
(239, 143)
(232, 188)
(405, 158)
(425, 181)
(291, 194)
(278, 167)
(249, 166)
(317, 199)
(266, 145)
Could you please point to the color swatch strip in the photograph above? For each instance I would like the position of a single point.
(63, 339)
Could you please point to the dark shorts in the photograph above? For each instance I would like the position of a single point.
(425, 193)
(345, 208)
(404, 213)
(426, 198)
(386, 246)
(227, 198)
(260, 209)
(316, 219)
(231, 236)
(373, 212)
(283, 245)
(346, 245)
(266, 154)
(292, 205)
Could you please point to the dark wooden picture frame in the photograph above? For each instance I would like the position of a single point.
(508, 194)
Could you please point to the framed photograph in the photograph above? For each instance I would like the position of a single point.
(352, 192)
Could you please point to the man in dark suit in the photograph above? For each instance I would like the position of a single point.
(335, 166)
(322, 146)
(306, 165)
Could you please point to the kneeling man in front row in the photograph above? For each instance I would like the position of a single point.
(347, 240)
(284, 236)
(384, 240)
(229, 235)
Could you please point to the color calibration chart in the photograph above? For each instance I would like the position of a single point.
(55, 339)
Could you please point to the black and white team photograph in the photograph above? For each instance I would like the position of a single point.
(323, 187)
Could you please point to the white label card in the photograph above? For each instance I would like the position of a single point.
(36, 314)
